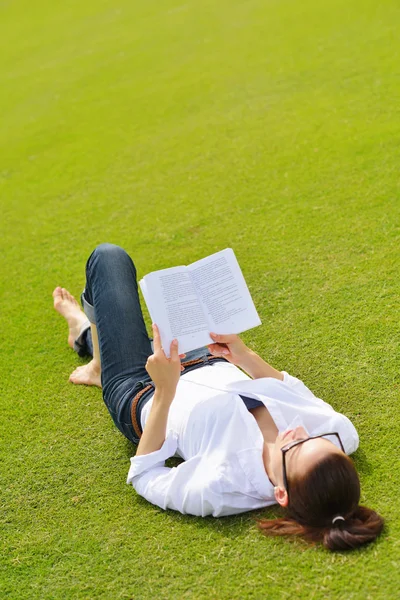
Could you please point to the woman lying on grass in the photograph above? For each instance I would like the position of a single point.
(248, 441)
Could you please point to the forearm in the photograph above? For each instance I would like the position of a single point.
(256, 367)
(154, 433)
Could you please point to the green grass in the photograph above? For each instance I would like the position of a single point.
(176, 129)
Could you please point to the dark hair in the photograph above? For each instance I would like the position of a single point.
(330, 489)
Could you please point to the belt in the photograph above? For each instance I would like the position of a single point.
(189, 363)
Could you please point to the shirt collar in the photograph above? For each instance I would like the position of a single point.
(252, 464)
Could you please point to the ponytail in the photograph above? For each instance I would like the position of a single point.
(362, 527)
(323, 507)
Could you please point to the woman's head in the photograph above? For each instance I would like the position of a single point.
(298, 471)
(316, 482)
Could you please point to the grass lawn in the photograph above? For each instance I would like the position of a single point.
(176, 129)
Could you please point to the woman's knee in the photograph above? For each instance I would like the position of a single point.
(109, 254)
(107, 249)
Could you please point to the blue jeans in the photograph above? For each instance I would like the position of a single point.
(111, 301)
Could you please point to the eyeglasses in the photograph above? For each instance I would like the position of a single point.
(290, 445)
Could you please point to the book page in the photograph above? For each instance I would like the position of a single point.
(224, 294)
(175, 308)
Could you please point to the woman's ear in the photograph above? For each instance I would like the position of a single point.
(281, 495)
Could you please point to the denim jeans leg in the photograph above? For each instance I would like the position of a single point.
(112, 293)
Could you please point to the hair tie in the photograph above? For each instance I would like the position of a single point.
(339, 518)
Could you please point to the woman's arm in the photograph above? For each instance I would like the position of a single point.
(257, 368)
(153, 435)
(165, 373)
(235, 351)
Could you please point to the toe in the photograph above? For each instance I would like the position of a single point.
(69, 296)
(74, 377)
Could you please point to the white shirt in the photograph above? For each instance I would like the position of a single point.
(221, 443)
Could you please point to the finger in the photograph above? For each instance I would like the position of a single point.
(174, 354)
(224, 339)
(218, 349)
(182, 356)
(156, 338)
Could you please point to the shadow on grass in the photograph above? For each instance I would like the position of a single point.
(233, 527)
(361, 462)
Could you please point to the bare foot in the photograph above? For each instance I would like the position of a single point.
(68, 307)
(89, 374)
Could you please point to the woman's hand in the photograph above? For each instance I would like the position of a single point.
(230, 347)
(165, 372)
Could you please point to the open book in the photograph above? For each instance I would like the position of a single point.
(188, 302)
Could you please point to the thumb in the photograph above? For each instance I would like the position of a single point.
(174, 350)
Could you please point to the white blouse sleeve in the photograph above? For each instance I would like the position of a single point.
(347, 431)
(298, 385)
(335, 421)
(189, 488)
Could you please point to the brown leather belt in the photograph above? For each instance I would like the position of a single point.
(135, 424)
